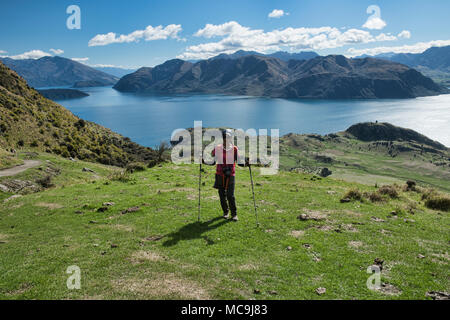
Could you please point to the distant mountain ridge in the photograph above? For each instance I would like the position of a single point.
(115, 71)
(434, 62)
(330, 77)
(57, 71)
(282, 55)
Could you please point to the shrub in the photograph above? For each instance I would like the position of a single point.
(152, 163)
(20, 143)
(161, 149)
(80, 124)
(45, 182)
(375, 197)
(390, 191)
(353, 194)
(135, 166)
(120, 175)
(34, 144)
(428, 193)
(399, 211)
(410, 185)
(438, 203)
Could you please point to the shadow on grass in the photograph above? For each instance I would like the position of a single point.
(194, 231)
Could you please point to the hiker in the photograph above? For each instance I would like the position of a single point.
(226, 156)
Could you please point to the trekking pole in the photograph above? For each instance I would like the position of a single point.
(199, 186)
(253, 191)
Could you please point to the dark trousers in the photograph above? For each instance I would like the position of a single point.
(226, 194)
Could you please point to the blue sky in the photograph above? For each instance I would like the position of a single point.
(146, 33)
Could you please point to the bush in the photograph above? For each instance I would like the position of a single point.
(161, 149)
(121, 176)
(353, 194)
(375, 197)
(438, 203)
(410, 185)
(135, 166)
(428, 193)
(152, 163)
(390, 191)
(45, 182)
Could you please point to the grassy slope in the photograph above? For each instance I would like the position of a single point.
(41, 235)
(29, 120)
(367, 162)
(8, 160)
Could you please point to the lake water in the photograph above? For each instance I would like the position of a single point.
(149, 119)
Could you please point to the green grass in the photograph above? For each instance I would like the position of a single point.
(8, 160)
(368, 162)
(41, 234)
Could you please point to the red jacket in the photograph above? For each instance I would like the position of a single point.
(229, 158)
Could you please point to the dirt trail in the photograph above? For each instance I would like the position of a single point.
(18, 169)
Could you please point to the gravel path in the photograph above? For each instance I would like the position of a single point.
(18, 169)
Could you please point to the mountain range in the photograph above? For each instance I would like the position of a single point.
(279, 74)
(115, 71)
(330, 77)
(434, 62)
(57, 71)
(282, 55)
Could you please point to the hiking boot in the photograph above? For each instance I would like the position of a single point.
(226, 216)
(235, 218)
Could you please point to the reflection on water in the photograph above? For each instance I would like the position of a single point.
(148, 119)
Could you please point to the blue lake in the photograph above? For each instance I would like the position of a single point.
(149, 119)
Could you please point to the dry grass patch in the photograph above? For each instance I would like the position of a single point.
(442, 258)
(120, 227)
(389, 289)
(325, 228)
(162, 286)
(24, 287)
(297, 233)
(315, 215)
(248, 266)
(142, 256)
(3, 238)
(51, 206)
(355, 244)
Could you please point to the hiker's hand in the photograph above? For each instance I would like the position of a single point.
(208, 164)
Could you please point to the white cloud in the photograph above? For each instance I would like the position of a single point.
(374, 22)
(277, 13)
(2, 52)
(80, 59)
(57, 51)
(33, 54)
(404, 34)
(220, 30)
(236, 37)
(385, 37)
(100, 65)
(415, 48)
(148, 34)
